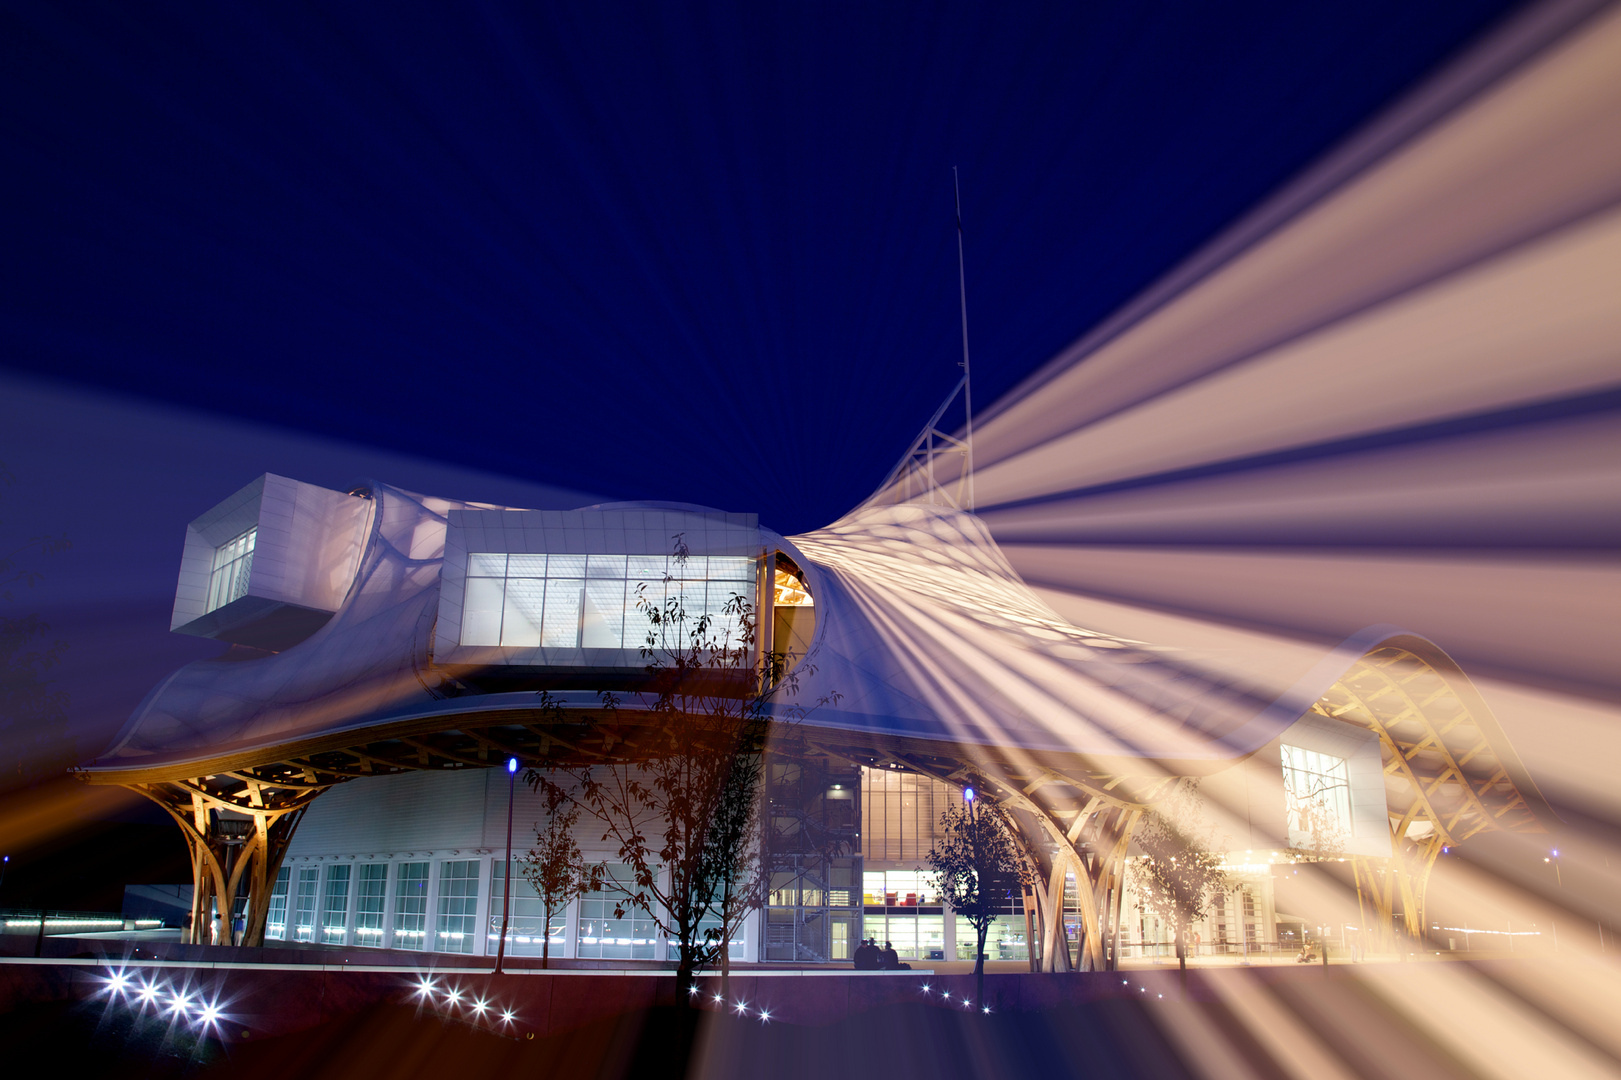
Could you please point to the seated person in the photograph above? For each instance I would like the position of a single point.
(889, 960)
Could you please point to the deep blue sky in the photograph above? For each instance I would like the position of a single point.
(692, 252)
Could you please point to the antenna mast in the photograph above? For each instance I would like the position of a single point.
(967, 382)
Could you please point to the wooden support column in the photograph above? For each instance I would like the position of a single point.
(216, 876)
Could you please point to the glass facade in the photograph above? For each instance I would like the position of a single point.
(228, 578)
(1005, 939)
(411, 905)
(1317, 796)
(602, 936)
(592, 601)
(914, 936)
(456, 926)
(900, 812)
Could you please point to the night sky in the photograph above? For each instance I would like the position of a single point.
(697, 253)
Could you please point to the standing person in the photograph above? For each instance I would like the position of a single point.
(237, 927)
(866, 957)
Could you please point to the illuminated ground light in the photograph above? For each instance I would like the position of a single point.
(425, 988)
(480, 1006)
(765, 1016)
(507, 1016)
(209, 1016)
(148, 993)
(117, 984)
(742, 1008)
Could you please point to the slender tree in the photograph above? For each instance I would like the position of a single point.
(684, 816)
(1179, 870)
(976, 863)
(555, 865)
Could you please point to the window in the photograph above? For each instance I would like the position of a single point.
(602, 935)
(591, 601)
(370, 894)
(335, 909)
(309, 882)
(276, 922)
(527, 930)
(899, 888)
(900, 814)
(411, 905)
(1317, 799)
(228, 579)
(456, 928)
(1004, 939)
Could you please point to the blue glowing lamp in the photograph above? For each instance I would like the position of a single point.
(968, 794)
(512, 765)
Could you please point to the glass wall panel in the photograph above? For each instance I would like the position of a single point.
(602, 935)
(900, 814)
(1004, 939)
(521, 617)
(532, 566)
(276, 921)
(309, 883)
(456, 928)
(563, 602)
(335, 908)
(370, 893)
(898, 888)
(482, 564)
(527, 926)
(233, 561)
(604, 612)
(711, 924)
(915, 937)
(1317, 790)
(481, 612)
(596, 602)
(411, 905)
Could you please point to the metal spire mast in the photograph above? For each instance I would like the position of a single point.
(967, 381)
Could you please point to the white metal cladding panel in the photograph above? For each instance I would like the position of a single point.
(430, 811)
(417, 811)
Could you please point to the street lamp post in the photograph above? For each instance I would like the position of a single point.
(506, 876)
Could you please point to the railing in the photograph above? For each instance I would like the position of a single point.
(25, 921)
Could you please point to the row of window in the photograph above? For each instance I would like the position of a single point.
(597, 601)
(436, 907)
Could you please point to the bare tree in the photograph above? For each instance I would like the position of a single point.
(555, 866)
(685, 817)
(976, 863)
(1179, 871)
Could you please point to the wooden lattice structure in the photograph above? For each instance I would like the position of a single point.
(1449, 775)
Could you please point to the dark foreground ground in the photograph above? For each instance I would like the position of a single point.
(126, 1016)
(1113, 1039)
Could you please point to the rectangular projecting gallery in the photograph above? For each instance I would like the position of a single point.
(579, 589)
